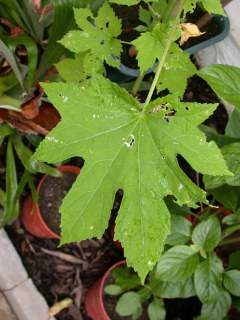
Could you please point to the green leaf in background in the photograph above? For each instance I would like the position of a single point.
(2, 199)
(220, 139)
(231, 154)
(129, 304)
(156, 310)
(126, 148)
(112, 289)
(32, 54)
(9, 103)
(177, 69)
(232, 219)
(228, 196)
(5, 130)
(231, 281)
(213, 6)
(171, 290)
(224, 80)
(100, 36)
(208, 279)
(218, 309)
(62, 23)
(232, 128)
(176, 264)
(180, 230)
(8, 55)
(230, 230)
(84, 65)
(11, 208)
(32, 166)
(7, 82)
(150, 45)
(234, 260)
(126, 278)
(207, 234)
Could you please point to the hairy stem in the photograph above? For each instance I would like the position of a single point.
(176, 12)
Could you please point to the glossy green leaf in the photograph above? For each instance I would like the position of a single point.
(207, 234)
(99, 37)
(180, 230)
(208, 278)
(231, 153)
(156, 310)
(224, 80)
(218, 309)
(177, 264)
(106, 126)
(232, 219)
(231, 281)
(129, 304)
(171, 290)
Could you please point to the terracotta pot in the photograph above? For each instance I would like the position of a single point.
(94, 299)
(32, 218)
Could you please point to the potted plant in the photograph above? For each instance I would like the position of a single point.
(192, 265)
(127, 144)
(41, 216)
(141, 19)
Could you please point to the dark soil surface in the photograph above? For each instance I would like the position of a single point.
(64, 272)
(51, 194)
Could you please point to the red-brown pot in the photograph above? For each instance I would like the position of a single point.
(94, 298)
(32, 218)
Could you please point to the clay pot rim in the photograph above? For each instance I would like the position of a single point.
(102, 284)
(36, 209)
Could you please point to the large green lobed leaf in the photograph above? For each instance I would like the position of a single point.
(127, 148)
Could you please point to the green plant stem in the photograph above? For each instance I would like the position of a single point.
(162, 59)
(137, 84)
(229, 241)
(126, 42)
